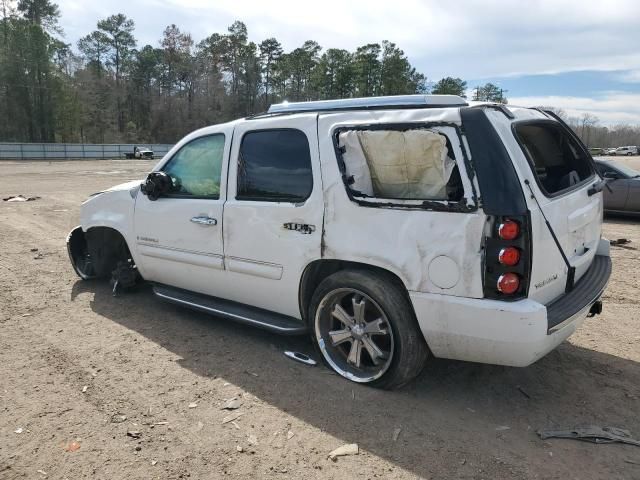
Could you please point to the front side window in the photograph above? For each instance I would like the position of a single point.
(274, 166)
(196, 168)
(556, 159)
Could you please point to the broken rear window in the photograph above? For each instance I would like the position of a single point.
(557, 160)
(414, 164)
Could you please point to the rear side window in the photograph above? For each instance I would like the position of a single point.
(557, 160)
(275, 166)
(408, 164)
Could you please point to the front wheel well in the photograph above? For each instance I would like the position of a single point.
(97, 252)
(318, 270)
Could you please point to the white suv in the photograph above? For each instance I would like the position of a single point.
(389, 228)
(630, 150)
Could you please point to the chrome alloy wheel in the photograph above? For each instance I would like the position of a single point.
(354, 335)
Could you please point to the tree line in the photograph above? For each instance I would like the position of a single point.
(108, 89)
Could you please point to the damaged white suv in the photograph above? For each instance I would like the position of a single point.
(390, 228)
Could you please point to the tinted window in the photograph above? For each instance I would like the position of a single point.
(195, 169)
(556, 159)
(274, 165)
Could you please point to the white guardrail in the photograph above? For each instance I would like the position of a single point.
(71, 151)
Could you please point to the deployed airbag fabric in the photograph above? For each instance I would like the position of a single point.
(412, 164)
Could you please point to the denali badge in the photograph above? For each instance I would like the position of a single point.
(547, 281)
(148, 239)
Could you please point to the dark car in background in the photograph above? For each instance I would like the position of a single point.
(623, 193)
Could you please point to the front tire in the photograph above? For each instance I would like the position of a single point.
(365, 329)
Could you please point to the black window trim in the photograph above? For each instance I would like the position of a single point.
(427, 204)
(531, 162)
(274, 200)
(197, 197)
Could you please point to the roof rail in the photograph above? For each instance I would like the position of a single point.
(370, 103)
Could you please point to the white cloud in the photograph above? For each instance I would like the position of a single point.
(467, 38)
(612, 108)
(472, 39)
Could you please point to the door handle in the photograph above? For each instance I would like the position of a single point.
(204, 220)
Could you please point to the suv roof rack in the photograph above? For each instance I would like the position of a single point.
(370, 103)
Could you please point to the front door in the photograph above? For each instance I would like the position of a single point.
(179, 235)
(274, 211)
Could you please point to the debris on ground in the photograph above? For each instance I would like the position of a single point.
(239, 448)
(232, 417)
(72, 447)
(290, 435)
(153, 462)
(252, 440)
(300, 357)
(592, 433)
(41, 472)
(20, 198)
(193, 405)
(84, 389)
(232, 404)
(251, 373)
(134, 434)
(523, 391)
(622, 243)
(118, 418)
(502, 428)
(344, 450)
(396, 433)
(18, 430)
(619, 241)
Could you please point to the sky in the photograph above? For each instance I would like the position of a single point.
(579, 55)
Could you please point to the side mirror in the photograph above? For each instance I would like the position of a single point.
(156, 185)
(611, 175)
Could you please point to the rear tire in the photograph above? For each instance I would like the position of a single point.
(364, 327)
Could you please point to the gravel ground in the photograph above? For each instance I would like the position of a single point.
(79, 369)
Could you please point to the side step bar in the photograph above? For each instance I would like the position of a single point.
(256, 317)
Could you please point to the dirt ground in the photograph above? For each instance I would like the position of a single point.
(80, 368)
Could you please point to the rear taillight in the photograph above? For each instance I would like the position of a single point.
(508, 283)
(509, 230)
(507, 257)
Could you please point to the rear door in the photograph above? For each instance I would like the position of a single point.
(274, 211)
(633, 198)
(560, 174)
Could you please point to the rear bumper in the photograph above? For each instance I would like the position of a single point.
(506, 333)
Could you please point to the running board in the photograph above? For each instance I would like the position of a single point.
(256, 317)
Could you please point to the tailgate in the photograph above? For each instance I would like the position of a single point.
(562, 192)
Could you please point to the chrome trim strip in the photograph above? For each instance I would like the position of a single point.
(251, 321)
(246, 266)
(181, 250)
